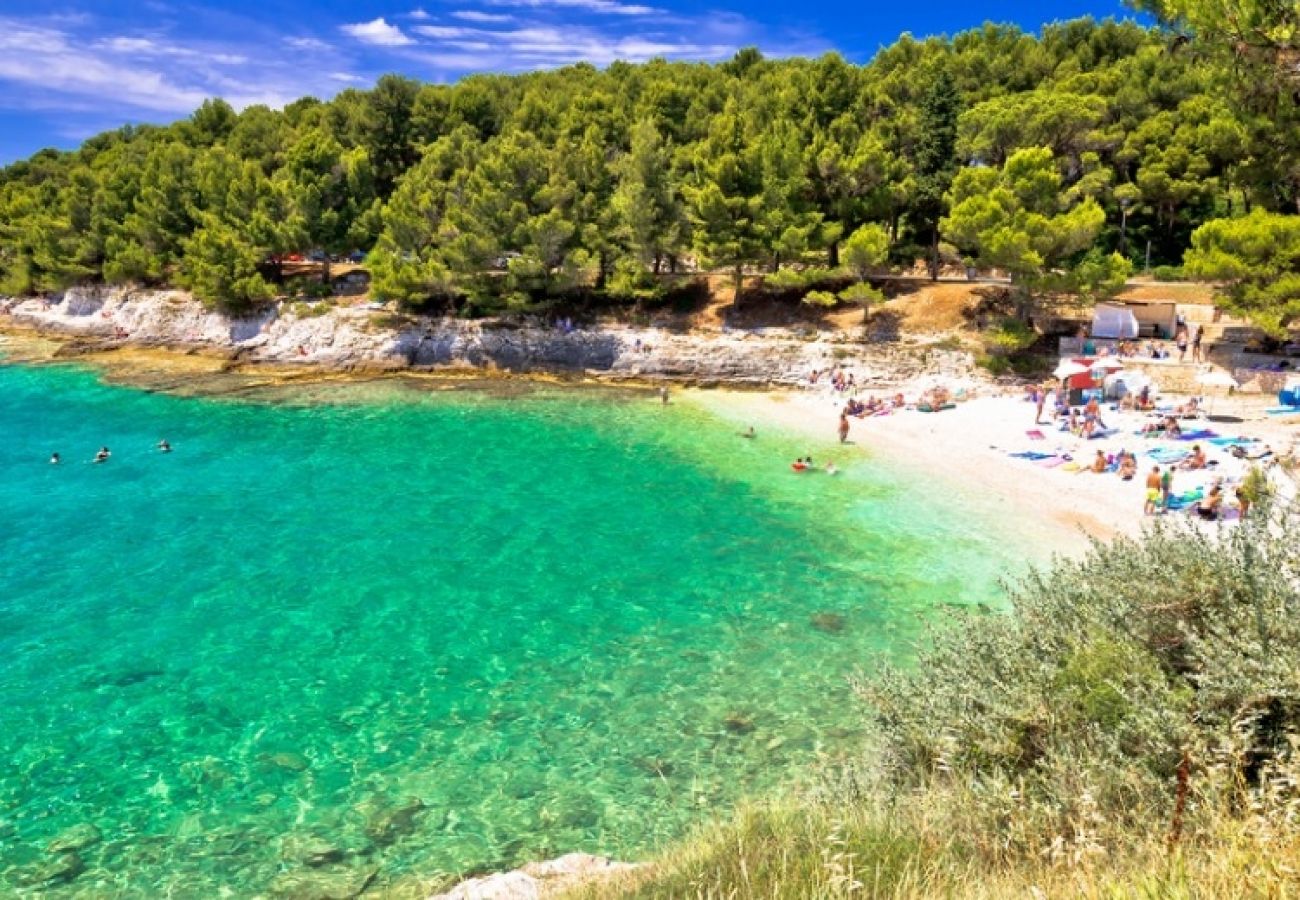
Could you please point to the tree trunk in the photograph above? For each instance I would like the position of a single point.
(325, 271)
(776, 262)
(602, 272)
(934, 254)
(833, 252)
(740, 284)
(659, 261)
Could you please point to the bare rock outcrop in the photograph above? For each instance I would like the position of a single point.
(358, 339)
(537, 880)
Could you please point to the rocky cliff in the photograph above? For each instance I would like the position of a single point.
(349, 338)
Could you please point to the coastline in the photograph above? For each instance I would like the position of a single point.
(963, 450)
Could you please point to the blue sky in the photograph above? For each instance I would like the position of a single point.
(72, 69)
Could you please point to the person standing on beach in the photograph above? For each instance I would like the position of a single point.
(1181, 340)
(844, 426)
(663, 395)
(1196, 343)
(1166, 487)
(1040, 397)
(1153, 492)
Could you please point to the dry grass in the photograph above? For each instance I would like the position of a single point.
(787, 852)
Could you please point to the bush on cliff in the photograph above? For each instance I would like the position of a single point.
(1129, 729)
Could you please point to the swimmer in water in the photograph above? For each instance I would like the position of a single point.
(55, 459)
(749, 433)
(832, 469)
(102, 455)
(164, 447)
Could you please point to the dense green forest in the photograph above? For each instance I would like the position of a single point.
(1063, 158)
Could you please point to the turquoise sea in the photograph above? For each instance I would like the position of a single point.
(401, 631)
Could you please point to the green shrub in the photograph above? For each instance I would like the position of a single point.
(820, 298)
(1168, 273)
(1009, 335)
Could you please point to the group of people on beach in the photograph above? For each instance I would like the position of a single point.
(103, 455)
(840, 381)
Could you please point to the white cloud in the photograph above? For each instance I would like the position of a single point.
(484, 18)
(612, 7)
(307, 43)
(346, 77)
(377, 32)
(418, 13)
(45, 61)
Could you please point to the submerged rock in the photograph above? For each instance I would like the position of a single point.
(388, 824)
(63, 868)
(78, 837)
(292, 762)
(829, 622)
(343, 884)
(738, 723)
(311, 850)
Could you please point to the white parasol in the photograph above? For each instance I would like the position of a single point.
(1069, 368)
(1217, 378)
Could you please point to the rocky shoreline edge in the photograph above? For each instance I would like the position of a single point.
(299, 338)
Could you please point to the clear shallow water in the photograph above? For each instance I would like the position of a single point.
(555, 621)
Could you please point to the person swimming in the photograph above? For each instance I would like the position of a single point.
(832, 469)
(102, 455)
(55, 459)
(749, 433)
(164, 447)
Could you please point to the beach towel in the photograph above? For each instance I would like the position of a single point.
(1185, 499)
(1202, 434)
(1283, 411)
(1032, 455)
(1232, 441)
(1168, 455)
(1052, 462)
(1035, 435)
(1103, 433)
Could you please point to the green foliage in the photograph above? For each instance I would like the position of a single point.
(1032, 151)
(1016, 218)
(1257, 257)
(866, 250)
(820, 298)
(862, 294)
(1009, 335)
(220, 267)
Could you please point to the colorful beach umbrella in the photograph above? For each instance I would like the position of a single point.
(1108, 364)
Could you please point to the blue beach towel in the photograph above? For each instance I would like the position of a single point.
(1185, 499)
(1168, 455)
(1203, 434)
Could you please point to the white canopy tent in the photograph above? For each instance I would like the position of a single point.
(1117, 322)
